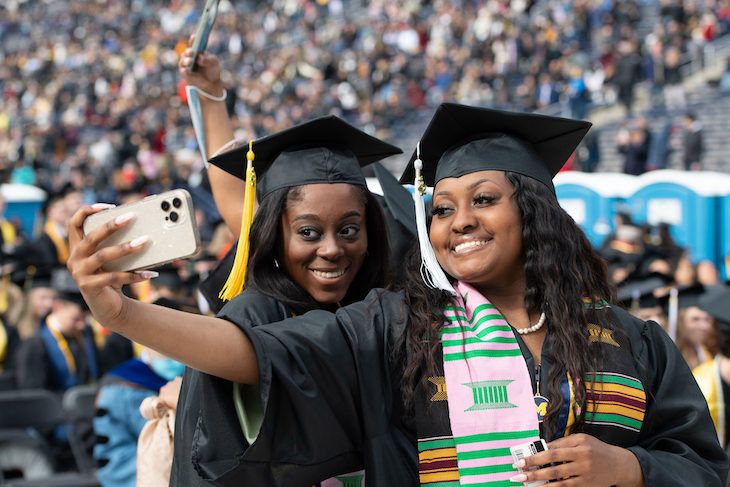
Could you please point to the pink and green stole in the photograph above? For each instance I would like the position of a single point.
(489, 393)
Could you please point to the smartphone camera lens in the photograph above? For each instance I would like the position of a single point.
(165, 206)
(176, 202)
(173, 217)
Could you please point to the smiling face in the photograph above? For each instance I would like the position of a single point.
(476, 230)
(324, 239)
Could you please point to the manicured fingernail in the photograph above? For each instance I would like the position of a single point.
(519, 464)
(148, 274)
(139, 241)
(124, 218)
(102, 206)
(518, 478)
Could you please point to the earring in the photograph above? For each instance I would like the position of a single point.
(276, 263)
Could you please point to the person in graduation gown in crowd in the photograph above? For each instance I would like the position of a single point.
(697, 332)
(9, 345)
(63, 352)
(318, 240)
(119, 422)
(513, 339)
(713, 376)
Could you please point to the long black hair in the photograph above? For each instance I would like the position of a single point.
(561, 268)
(265, 276)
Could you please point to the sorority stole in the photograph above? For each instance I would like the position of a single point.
(490, 401)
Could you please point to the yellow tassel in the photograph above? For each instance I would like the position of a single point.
(234, 284)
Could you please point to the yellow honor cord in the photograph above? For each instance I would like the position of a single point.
(63, 346)
(234, 283)
(4, 290)
(3, 345)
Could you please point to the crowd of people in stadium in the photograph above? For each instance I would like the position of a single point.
(91, 99)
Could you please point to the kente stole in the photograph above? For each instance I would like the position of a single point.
(490, 401)
(465, 448)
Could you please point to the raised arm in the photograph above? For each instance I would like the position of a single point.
(208, 344)
(228, 191)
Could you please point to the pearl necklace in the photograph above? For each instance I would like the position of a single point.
(535, 327)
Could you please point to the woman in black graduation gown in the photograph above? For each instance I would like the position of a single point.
(367, 384)
(317, 241)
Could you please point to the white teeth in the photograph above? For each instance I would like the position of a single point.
(469, 245)
(329, 275)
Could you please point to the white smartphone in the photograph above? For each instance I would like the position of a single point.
(519, 452)
(167, 218)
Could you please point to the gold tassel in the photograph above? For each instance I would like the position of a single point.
(234, 284)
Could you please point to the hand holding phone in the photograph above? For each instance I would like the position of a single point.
(205, 25)
(168, 219)
(519, 452)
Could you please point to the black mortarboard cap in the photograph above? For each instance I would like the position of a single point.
(718, 305)
(212, 284)
(168, 277)
(323, 150)
(398, 201)
(40, 281)
(642, 290)
(462, 139)
(690, 295)
(66, 288)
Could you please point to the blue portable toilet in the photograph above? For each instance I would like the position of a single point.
(593, 199)
(23, 202)
(690, 202)
(725, 232)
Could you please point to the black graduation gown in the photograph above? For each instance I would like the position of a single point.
(331, 398)
(208, 438)
(33, 366)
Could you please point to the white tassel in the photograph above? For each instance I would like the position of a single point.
(431, 272)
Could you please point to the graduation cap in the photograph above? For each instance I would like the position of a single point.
(323, 150)
(717, 304)
(214, 281)
(168, 277)
(66, 288)
(461, 140)
(398, 200)
(642, 293)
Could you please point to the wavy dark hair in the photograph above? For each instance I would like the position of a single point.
(264, 276)
(561, 268)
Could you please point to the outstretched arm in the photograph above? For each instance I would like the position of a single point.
(228, 191)
(212, 345)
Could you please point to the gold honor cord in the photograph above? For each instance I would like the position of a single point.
(58, 241)
(62, 345)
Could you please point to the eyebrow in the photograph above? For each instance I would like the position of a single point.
(470, 187)
(312, 216)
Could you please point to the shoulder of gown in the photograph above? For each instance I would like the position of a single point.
(677, 444)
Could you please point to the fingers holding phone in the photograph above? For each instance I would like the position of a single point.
(101, 290)
(206, 76)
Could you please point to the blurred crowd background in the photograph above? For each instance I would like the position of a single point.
(92, 109)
